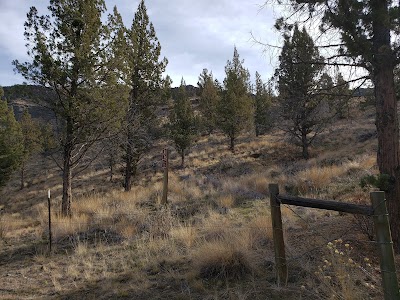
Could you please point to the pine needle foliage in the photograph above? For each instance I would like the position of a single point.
(235, 110)
(71, 55)
(182, 122)
(299, 72)
(144, 79)
(11, 141)
(209, 98)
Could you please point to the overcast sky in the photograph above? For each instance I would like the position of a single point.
(193, 34)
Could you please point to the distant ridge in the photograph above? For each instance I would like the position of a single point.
(31, 97)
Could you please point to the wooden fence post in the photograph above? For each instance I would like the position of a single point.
(277, 233)
(165, 161)
(385, 244)
(49, 209)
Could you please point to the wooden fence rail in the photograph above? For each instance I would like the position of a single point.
(377, 210)
(326, 204)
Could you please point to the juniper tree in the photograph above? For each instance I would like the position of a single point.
(298, 86)
(182, 122)
(145, 83)
(209, 98)
(235, 109)
(262, 103)
(369, 40)
(342, 95)
(11, 141)
(70, 54)
(31, 142)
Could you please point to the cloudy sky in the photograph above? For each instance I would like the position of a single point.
(194, 34)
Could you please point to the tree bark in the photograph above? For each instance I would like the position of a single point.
(128, 168)
(67, 173)
(22, 175)
(111, 169)
(386, 113)
(232, 144)
(182, 159)
(304, 145)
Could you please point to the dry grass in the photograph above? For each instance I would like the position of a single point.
(222, 260)
(316, 178)
(226, 201)
(185, 234)
(261, 229)
(14, 225)
(185, 250)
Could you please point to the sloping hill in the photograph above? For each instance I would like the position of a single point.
(30, 97)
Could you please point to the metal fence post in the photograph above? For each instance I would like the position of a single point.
(49, 210)
(165, 160)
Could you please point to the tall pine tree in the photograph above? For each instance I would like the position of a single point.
(368, 32)
(182, 122)
(235, 110)
(31, 141)
(299, 96)
(342, 95)
(146, 90)
(262, 104)
(209, 98)
(11, 141)
(70, 52)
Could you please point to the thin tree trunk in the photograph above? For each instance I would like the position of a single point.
(67, 182)
(67, 172)
(128, 168)
(67, 191)
(22, 175)
(304, 145)
(232, 144)
(111, 168)
(182, 159)
(386, 114)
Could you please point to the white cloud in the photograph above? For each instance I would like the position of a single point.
(193, 34)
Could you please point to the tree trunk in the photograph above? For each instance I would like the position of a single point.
(111, 169)
(304, 145)
(128, 168)
(22, 175)
(67, 177)
(386, 114)
(182, 159)
(67, 190)
(232, 144)
(388, 145)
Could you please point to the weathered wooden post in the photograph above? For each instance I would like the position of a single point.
(49, 209)
(277, 233)
(385, 244)
(164, 199)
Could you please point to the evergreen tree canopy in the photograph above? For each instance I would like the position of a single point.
(342, 94)
(235, 110)
(262, 103)
(368, 31)
(11, 141)
(182, 122)
(146, 89)
(32, 141)
(299, 84)
(209, 98)
(71, 53)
